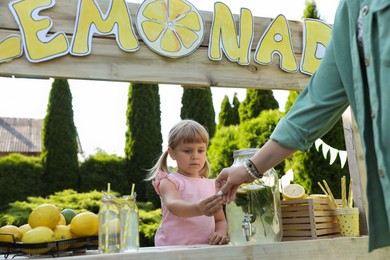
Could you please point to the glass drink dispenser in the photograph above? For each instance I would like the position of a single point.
(254, 217)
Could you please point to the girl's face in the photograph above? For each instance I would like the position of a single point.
(190, 158)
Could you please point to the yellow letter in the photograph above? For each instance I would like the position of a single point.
(277, 39)
(90, 20)
(236, 48)
(316, 35)
(34, 28)
(11, 48)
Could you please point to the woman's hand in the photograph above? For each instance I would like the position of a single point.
(229, 180)
(218, 239)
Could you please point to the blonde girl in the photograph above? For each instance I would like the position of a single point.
(188, 197)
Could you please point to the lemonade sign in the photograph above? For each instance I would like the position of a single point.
(170, 28)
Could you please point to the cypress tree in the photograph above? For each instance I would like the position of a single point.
(310, 166)
(197, 104)
(59, 135)
(225, 116)
(235, 113)
(311, 10)
(256, 100)
(143, 137)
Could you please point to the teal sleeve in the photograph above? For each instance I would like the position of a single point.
(316, 109)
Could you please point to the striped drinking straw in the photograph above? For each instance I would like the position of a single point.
(330, 194)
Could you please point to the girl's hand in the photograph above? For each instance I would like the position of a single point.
(218, 239)
(210, 205)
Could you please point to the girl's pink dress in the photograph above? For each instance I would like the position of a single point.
(185, 231)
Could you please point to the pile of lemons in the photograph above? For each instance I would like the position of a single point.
(48, 223)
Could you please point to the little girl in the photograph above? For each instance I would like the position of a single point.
(188, 197)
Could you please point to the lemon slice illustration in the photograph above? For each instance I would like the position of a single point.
(172, 28)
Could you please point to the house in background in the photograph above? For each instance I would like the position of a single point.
(22, 135)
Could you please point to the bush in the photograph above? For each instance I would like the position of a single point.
(253, 133)
(98, 170)
(19, 178)
(220, 152)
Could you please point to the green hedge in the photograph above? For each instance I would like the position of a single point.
(19, 178)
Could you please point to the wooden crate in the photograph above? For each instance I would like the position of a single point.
(308, 219)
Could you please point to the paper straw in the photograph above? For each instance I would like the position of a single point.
(330, 194)
(343, 192)
(107, 222)
(125, 232)
(106, 234)
(322, 188)
(132, 189)
(350, 195)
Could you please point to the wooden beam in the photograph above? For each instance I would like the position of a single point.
(357, 169)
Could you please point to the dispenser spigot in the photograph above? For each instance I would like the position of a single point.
(247, 228)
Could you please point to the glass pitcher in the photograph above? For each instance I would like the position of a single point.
(254, 217)
(129, 224)
(109, 228)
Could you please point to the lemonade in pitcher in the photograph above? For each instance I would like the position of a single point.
(254, 217)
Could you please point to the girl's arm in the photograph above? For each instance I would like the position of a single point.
(219, 237)
(185, 209)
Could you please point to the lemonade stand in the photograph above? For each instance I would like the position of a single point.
(172, 42)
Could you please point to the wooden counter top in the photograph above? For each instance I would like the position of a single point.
(334, 248)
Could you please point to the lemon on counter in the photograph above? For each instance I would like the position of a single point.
(84, 224)
(47, 215)
(293, 192)
(62, 220)
(24, 228)
(12, 230)
(38, 235)
(62, 232)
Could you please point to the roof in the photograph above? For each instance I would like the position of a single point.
(20, 135)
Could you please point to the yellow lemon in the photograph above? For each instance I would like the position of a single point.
(38, 235)
(62, 220)
(62, 232)
(24, 228)
(293, 191)
(84, 224)
(11, 232)
(173, 28)
(47, 215)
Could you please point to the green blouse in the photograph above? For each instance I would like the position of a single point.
(339, 83)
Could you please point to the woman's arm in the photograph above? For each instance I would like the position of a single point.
(185, 209)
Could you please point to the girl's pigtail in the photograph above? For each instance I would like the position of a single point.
(161, 165)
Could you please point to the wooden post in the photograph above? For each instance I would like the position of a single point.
(357, 169)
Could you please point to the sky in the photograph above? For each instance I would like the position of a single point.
(100, 107)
